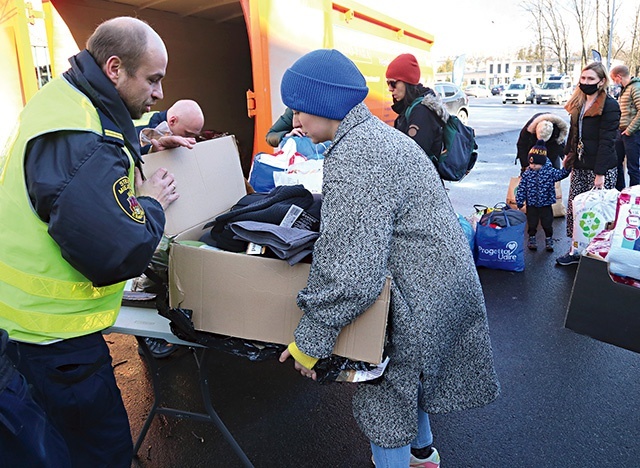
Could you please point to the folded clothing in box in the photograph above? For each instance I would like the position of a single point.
(288, 243)
(267, 208)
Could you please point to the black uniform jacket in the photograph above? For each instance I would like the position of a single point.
(72, 177)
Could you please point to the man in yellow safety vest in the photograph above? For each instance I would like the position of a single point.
(79, 219)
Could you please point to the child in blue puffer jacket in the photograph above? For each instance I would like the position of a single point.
(537, 190)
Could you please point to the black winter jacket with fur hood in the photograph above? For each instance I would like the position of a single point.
(425, 121)
(548, 127)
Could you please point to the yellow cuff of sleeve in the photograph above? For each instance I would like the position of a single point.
(303, 359)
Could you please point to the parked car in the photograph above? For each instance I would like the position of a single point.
(554, 91)
(454, 99)
(519, 92)
(498, 89)
(477, 90)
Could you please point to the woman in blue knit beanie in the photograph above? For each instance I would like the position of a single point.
(385, 213)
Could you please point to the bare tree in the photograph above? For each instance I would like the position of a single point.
(598, 32)
(605, 11)
(583, 13)
(536, 8)
(633, 57)
(558, 33)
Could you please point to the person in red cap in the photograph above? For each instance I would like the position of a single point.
(424, 122)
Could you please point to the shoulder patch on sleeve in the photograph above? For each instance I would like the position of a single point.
(127, 201)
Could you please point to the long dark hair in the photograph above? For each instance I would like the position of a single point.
(412, 92)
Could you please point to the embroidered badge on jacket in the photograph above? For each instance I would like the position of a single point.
(127, 200)
(413, 130)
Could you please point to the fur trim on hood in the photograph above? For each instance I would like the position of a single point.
(434, 102)
(544, 130)
(596, 108)
(556, 120)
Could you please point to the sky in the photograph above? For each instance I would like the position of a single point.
(471, 27)
(481, 27)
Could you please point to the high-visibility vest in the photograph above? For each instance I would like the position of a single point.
(145, 119)
(42, 297)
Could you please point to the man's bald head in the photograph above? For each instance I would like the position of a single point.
(134, 58)
(125, 37)
(185, 118)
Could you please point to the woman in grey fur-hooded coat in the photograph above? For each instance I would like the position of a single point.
(385, 213)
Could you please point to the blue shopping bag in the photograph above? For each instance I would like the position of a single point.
(500, 240)
(261, 175)
(468, 231)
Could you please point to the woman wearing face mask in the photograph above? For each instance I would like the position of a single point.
(590, 149)
(421, 113)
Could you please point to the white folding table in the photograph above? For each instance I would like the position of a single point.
(143, 322)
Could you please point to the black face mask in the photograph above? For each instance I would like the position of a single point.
(588, 89)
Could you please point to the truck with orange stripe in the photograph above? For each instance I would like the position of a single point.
(229, 55)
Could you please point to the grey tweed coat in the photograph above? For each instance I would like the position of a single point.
(385, 213)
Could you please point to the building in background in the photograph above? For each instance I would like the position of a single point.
(492, 72)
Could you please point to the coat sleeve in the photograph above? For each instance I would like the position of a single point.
(349, 260)
(280, 128)
(634, 95)
(559, 174)
(523, 146)
(106, 234)
(609, 123)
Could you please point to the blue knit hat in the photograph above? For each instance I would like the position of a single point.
(323, 83)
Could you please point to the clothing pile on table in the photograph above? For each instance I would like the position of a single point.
(283, 223)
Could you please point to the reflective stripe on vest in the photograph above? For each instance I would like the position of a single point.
(42, 297)
(145, 119)
(54, 289)
(57, 326)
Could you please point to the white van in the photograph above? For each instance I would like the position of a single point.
(519, 92)
(556, 89)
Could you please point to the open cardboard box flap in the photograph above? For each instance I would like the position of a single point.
(208, 178)
(233, 294)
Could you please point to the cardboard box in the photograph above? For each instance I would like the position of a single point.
(603, 309)
(235, 294)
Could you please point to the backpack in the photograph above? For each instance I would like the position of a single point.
(459, 154)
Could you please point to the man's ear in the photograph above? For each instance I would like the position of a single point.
(172, 121)
(112, 68)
